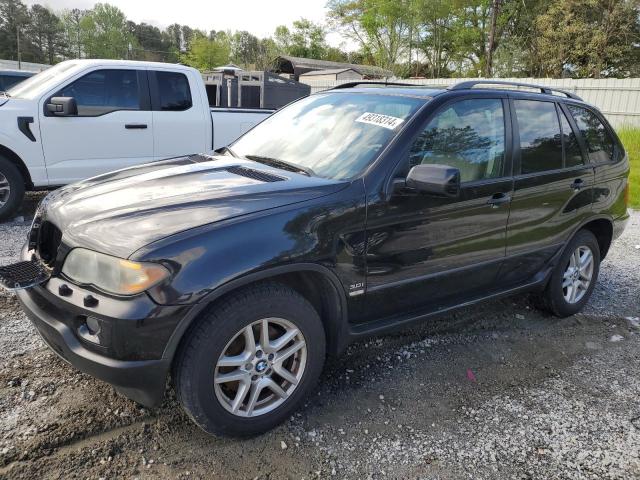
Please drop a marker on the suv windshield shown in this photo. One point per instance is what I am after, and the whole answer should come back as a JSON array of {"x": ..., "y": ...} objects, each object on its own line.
[
  {"x": 34, "y": 86},
  {"x": 334, "y": 135}
]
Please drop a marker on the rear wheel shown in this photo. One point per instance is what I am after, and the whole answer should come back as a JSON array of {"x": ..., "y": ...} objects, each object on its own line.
[
  {"x": 246, "y": 366},
  {"x": 11, "y": 189},
  {"x": 575, "y": 276}
]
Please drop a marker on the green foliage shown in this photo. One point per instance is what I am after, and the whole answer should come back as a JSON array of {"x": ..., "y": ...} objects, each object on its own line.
[
  {"x": 208, "y": 52},
  {"x": 433, "y": 38},
  {"x": 631, "y": 140},
  {"x": 306, "y": 39},
  {"x": 382, "y": 28},
  {"x": 589, "y": 38}
]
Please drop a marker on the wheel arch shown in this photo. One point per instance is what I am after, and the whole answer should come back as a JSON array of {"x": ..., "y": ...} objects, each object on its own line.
[
  {"x": 602, "y": 229},
  {"x": 316, "y": 283},
  {"x": 14, "y": 158}
]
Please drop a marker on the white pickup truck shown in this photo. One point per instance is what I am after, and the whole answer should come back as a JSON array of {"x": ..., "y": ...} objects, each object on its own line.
[{"x": 82, "y": 118}]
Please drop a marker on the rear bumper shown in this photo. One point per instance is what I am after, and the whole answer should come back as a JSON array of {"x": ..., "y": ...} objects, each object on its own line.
[{"x": 141, "y": 380}]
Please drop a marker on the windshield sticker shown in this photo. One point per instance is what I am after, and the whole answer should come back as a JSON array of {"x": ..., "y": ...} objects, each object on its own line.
[{"x": 380, "y": 120}]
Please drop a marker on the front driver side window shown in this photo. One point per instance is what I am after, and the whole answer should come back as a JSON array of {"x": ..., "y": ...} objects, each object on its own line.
[
  {"x": 468, "y": 135},
  {"x": 104, "y": 91}
]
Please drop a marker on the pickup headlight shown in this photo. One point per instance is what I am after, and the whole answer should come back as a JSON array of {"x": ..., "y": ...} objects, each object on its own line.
[{"x": 111, "y": 274}]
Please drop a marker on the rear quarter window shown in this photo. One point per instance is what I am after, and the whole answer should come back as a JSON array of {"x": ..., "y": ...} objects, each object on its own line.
[{"x": 599, "y": 142}]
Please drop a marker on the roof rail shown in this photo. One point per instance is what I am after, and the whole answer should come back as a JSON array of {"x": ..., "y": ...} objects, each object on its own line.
[
  {"x": 543, "y": 88},
  {"x": 365, "y": 82}
]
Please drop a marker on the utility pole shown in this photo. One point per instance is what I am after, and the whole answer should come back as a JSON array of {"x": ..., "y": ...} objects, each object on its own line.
[
  {"x": 18, "y": 45},
  {"x": 492, "y": 37}
]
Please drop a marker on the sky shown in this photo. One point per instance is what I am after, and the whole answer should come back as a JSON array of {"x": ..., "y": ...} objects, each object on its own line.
[{"x": 256, "y": 16}]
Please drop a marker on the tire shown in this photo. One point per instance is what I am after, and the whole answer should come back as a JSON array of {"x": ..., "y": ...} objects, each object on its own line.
[
  {"x": 11, "y": 179},
  {"x": 199, "y": 369},
  {"x": 557, "y": 297}
]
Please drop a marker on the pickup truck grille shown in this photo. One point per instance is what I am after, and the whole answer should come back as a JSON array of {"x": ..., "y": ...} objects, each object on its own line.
[{"x": 49, "y": 239}]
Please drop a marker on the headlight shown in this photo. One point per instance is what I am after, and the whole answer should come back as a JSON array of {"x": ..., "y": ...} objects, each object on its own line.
[{"x": 111, "y": 274}]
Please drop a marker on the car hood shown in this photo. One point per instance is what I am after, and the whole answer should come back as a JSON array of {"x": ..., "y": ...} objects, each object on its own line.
[{"x": 120, "y": 212}]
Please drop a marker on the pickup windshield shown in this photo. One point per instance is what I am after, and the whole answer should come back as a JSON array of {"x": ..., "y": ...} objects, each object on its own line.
[
  {"x": 32, "y": 87},
  {"x": 334, "y": 135}
]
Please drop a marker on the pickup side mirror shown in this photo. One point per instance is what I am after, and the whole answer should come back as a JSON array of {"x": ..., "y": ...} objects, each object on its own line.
[
  {"x": 439, "y": 180},
  {"x": 62, "y": 106}
]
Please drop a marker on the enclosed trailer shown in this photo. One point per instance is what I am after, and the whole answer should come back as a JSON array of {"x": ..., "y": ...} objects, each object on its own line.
[{"x": 260, "y": 89}]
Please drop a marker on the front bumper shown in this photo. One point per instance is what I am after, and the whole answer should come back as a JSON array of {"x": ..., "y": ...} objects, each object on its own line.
[{"x": 141, "y": 380}]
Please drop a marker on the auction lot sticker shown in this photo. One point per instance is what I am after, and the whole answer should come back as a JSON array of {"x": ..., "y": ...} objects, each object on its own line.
[{"x": 380, "y": 120}]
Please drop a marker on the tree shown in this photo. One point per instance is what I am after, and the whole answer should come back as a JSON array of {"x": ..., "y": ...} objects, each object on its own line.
[
  {"x": 589, "y": 38},
  {"x": 244, "y": 48},
  {"x": 105, "y": 33},
  {"x": 71, "y": 24},
  {"x": 14, "y": 18},
  {"x": 207, "y": 52},
  {"x": 306, "y": 39},
  {"x": 151, "y": 44},
  {"x": 46, "y": 33},
  {"x": 381, "y": 27}
]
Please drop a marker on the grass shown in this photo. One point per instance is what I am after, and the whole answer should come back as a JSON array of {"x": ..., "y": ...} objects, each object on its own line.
[{"x": 631, "y": 139}]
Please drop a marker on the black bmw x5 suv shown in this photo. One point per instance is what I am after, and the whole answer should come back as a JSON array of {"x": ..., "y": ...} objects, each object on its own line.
[{"x": 345, "y": 214}]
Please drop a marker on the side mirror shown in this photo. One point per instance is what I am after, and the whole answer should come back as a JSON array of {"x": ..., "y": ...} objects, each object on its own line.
[
  {"x": 62, "y": 106},
  {"x": 439, "y": 180}
]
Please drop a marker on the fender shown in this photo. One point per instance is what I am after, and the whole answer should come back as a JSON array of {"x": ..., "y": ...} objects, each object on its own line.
[{"x": 340, "y": 328}]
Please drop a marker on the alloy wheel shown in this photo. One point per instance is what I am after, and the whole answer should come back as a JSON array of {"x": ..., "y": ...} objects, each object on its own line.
[
  {"x": 5, "y": 190},
  {"x": 260, "y": 367},
  {"x": 578, "y": 275}
]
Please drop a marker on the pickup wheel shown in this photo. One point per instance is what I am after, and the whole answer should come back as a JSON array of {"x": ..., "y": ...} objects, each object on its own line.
[
  {"x": 574, "y": 277},
  {"x": 11, "y": 188},
  {"x": 248, "y": 363}
]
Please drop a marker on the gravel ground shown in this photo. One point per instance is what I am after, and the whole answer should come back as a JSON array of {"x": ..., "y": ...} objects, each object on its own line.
[{"x": 499, "y": 390}]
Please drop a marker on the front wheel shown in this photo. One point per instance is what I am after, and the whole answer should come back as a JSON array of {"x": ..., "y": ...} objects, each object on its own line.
[
  {"x": 11, "y": 189},
  {"x": 246, "y": 366},
  {"x": 574, "y": 278}
]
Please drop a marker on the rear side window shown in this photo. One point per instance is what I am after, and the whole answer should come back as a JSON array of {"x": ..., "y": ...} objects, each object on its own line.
[
  {"x": 104, "y": 91},
  {"x": 599, "y": 142},
  {"x": 174, "y": 92},
  {"x": 540, "y": 136},
  {"x": 572, "y": 153},
  {"x": 468, "y": 135}
]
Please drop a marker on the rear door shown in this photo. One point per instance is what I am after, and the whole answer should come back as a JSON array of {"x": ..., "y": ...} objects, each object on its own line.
[
  {"x": 553, "y": 186},
  {"x": 113, "y": 128},
  {"x": 179, "y": 115}
]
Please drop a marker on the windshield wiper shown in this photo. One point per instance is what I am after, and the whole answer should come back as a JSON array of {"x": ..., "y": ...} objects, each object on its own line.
[
  {"x": 274, "y": 162},
  {"x": 5, "y": 94}
]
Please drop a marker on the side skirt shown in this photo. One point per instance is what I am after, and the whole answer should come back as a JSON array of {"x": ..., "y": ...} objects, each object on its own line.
[{"x": 397, "y": 322}]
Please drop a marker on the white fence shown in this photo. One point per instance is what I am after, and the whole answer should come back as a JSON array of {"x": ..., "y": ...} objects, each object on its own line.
[
  {"x": 26, "y": 66},
  {"x": 618, "y": 99}
]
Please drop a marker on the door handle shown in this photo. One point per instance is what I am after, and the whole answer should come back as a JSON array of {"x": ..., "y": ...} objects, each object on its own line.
[
  {"x": 135, "y": 126},
  {"x": 577, "y": 184},
  {"x": 498, "y": 199}
]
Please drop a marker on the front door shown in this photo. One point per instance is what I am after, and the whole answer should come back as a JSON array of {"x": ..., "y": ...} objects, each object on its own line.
[
  {"x": 427, "y": 251},
  {"x": 113, "y": 128}
]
